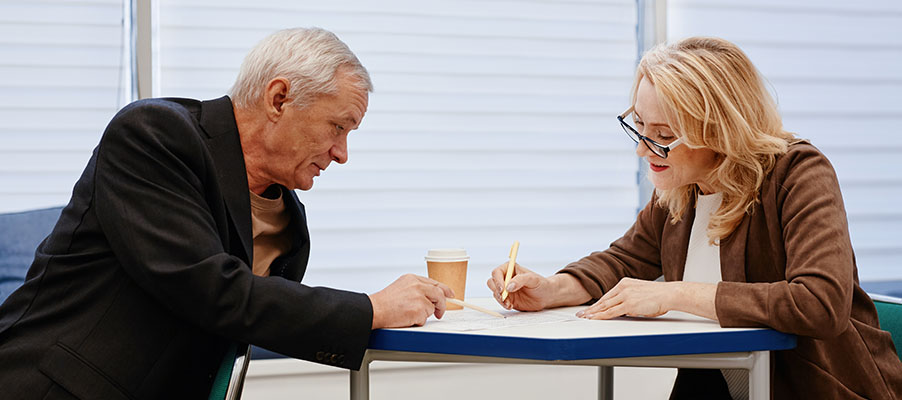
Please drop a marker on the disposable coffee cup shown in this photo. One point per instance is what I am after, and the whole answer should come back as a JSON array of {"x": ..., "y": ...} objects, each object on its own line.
[{"x": 449, "y": 266}]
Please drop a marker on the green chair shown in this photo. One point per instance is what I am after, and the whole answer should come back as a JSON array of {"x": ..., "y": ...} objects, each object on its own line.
[
  {"x": 229, "y": 379},
  {"x": 889, "y": 312}
]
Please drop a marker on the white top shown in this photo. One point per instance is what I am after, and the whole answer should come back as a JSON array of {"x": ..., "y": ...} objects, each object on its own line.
[
  {"x": 702, "y": 258},
  {"x": 703, "y": 265}
]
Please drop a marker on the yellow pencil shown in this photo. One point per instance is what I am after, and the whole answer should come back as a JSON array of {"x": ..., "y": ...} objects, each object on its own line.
[
  {"x": 510, "y": 268},
  {"x": 475, "y": 307}
]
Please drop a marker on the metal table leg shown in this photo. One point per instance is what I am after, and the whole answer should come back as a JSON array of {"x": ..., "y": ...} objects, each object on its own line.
[
  {"x": 605, "y": 383},
  {"x": 360, "y": 381},
  {"x": 759, "y": 376}
]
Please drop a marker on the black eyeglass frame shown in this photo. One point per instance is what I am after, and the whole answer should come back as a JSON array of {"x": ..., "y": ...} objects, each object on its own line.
[{"x": 655, "y": 147}]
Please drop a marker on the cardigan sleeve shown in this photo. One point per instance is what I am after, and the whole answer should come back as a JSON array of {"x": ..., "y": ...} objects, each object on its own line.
[
  {"x": 815, "y": 299},
  {"x": 636, "y": 254}
]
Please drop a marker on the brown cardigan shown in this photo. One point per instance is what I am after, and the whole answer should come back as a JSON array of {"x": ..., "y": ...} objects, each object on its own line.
[{"x": 789, "y": 266}]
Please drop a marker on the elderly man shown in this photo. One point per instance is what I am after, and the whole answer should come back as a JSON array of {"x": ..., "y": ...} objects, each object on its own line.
[{"x": 184, "y": 234}]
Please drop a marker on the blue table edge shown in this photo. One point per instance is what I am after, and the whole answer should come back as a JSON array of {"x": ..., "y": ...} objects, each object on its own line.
[{"x": 568, "y": 349}]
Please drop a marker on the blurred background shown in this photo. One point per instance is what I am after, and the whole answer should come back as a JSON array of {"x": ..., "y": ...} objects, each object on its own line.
[{"x": 492, "y": 121}]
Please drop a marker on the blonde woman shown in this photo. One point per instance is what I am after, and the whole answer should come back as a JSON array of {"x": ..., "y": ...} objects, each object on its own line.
[{"x": 746, "y": 225}]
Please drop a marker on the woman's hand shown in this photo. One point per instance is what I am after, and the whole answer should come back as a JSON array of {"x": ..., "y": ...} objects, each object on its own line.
[
  {"x": 641, "y": 298},
  {"x": 529, "y": 291}
]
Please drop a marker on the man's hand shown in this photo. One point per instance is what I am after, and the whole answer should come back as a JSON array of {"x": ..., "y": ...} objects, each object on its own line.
[{"x": 409, "y": 301}]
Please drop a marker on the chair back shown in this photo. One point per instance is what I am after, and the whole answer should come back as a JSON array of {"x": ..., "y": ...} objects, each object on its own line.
[
  {"x": 229, "y": 381},
  {"x": 20, "y": 235},
  {"x": 889, "y": 312}
]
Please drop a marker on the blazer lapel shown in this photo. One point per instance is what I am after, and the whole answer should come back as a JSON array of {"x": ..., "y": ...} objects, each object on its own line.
[
  {"x": 296, "y": 265},
  {"x": 732, "y": 253},
  {"x": 675, "y": 245},
  {"x": 217, "y": 119}
]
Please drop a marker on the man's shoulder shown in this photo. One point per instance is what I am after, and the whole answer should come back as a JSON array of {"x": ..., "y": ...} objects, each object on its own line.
[
  {"x": 158, "y": 128},
  {"x": 161, "y": 110},
  {"x": 156, "y": 119}
]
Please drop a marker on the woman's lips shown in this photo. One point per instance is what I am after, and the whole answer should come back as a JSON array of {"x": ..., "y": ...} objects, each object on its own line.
[{"x": 658, "y": 168}]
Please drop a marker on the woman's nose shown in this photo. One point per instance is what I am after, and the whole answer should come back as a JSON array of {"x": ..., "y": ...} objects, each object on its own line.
[{"x": 642, "y": 149}]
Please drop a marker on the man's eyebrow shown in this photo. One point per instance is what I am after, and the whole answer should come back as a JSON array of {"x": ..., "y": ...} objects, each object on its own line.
[
  {"x": 348, "y": 118},
  {"x": 652, "y": 123}
]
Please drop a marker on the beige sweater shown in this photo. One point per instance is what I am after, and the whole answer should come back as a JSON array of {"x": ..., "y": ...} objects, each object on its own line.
[{"x": 789, "y": 266}]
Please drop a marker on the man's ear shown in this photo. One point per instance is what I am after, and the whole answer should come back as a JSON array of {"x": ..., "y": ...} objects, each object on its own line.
[{"x": 275, "y": 98}]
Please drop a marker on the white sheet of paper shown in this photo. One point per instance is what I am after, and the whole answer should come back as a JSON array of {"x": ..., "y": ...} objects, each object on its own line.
[{"x": 470, "y": 320}]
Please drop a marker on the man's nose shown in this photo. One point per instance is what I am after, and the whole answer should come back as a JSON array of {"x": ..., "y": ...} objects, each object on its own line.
[{"x": 339, "y": 151}]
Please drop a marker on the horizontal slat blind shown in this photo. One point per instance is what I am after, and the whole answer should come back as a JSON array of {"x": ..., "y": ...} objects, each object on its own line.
[
  {"x": 61, "y": 75},
  {"x": 836, "y": 67},
  {"x": 492, "y": 121}
]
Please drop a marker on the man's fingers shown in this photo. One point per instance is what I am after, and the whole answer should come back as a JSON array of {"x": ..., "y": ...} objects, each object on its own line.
[
  {"x": 446, "y": 290},
  {"x": 439, "y": 303},
  {"x": 434, "y": 293},
  {"x": 438, "y": 309},
  {"x": 427, "y": 280}
]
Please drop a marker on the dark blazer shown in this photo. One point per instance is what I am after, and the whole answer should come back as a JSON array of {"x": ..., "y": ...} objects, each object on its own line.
[
  {"x": 789, "y": 265},
  {"x": 145, "y": 278}
]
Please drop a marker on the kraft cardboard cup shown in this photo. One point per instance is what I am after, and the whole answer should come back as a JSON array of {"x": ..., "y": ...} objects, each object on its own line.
[{"x": 449, "y": 266}]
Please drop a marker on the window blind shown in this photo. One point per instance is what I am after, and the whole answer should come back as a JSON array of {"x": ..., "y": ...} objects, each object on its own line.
[
  {"x": 61, "y": 80},
  {"x": 492, "y": 121}
]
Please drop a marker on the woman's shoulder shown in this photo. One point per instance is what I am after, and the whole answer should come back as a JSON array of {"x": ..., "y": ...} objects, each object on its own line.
[
  {"x": 803, "y": 163},
  {"x": 800, "y": 151},
  {"x": 801, "y": 147}
]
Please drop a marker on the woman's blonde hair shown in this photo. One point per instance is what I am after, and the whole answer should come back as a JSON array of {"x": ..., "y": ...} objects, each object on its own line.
[{"x": 713, "y": 97}]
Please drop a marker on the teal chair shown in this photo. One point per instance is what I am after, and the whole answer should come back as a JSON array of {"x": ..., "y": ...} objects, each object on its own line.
[
  {"x": 889, "y": 312},
  {"x": 20, "y": 235},
  {"x": 229, "y": 380}
]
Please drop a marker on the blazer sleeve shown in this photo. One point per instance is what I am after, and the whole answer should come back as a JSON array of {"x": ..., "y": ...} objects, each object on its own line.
[
  {"x": 815, "y": 299},
  {"x": 636, "y": 254},
  {"x": 153, "y": 202}
]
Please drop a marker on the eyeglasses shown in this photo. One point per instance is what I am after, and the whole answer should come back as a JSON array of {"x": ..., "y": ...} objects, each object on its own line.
[{"x": 658, "y": 149}]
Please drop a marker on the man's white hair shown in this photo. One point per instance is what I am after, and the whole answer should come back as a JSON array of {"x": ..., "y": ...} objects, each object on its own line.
[{"x": 308, "y": 57}]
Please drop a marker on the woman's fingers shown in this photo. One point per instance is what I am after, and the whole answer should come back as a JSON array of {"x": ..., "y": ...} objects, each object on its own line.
[{"x": 609, "y": 300}]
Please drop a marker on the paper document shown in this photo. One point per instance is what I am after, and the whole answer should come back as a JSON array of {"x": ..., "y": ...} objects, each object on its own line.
[{"x": 469, "y": 320}]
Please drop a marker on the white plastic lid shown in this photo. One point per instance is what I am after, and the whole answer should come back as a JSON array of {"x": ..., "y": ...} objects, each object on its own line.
[{"x": 447, "y": 255}]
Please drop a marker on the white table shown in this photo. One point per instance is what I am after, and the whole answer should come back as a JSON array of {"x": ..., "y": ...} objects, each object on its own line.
[{"x": 675, "y": 340}]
